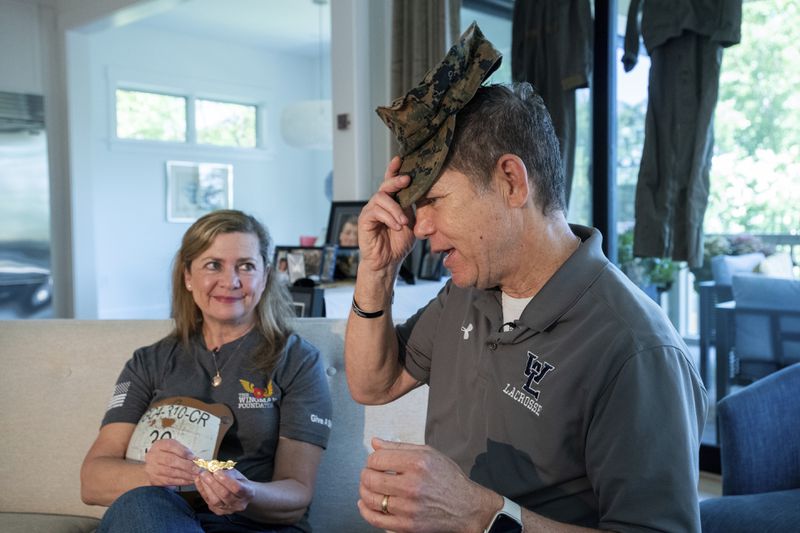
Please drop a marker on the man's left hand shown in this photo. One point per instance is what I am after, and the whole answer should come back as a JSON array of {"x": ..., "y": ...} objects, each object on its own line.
[{"x": 427, "y": 491}]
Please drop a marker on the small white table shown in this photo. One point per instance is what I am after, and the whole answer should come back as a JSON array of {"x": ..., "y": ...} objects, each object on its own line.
[{"x": 407, "y": 298}]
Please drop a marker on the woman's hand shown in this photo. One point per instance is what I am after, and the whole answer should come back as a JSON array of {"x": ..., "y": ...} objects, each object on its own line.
[
  {"x": 385, "y": 230},
  {"x": 168, "y": 463},
  {"x": 225, "y": 491}
]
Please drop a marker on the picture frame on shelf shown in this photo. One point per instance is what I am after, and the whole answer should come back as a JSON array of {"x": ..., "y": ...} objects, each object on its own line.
[
  {"x": 328, "y": 269},
  {"x": 431, "y": 265},
  {"x": 347, "y": 260},
  {"x": 343, "y": 224},
  {"x": 195, "y": 189},
  {"x": 297, "y": 262},
  {"x": 308, "y": 301}
]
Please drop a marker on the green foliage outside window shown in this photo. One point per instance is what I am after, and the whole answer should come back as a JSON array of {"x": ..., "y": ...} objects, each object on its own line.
[
  {"x": 755, "y": 175},
  {"x": 755, "y": 172},
  {"x": 660, "y": 272},
  {"x": 225, "y": 124},
  {"x": 150, "y": 116}
]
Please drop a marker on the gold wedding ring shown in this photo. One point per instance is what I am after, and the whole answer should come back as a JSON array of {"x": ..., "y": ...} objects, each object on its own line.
[{"x": 385, "y": 504}]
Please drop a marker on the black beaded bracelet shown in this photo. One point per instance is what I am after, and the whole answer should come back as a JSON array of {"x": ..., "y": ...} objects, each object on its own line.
[{"x": 365, "y": 314}]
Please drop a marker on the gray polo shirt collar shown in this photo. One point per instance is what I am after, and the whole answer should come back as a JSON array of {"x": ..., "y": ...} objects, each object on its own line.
[{"x": 560, "y": 293}]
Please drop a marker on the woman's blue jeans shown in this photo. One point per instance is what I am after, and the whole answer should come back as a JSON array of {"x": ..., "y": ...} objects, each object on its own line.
[{"x": 160, "y": 510}]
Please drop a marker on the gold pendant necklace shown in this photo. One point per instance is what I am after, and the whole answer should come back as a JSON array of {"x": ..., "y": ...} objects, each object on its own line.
[{"x": 217, "y": 379}]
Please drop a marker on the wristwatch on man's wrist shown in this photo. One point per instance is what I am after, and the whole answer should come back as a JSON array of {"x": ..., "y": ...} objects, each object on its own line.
[{"x": 506, "y": 520}]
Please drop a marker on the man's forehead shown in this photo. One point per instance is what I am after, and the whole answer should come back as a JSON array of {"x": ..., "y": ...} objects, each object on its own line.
[
  {"x": 447, "y": 181},
  {"x": 439, "y": 186}
]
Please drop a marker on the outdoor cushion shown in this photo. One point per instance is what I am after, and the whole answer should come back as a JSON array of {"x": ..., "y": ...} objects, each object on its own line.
[
  {"x": 753, "y": 334},
  {"x": 723, "y": 267},
  {"x": 777, "y": 265}
]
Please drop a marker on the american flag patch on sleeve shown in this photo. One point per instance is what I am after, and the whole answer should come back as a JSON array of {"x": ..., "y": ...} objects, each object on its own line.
[{"x": 120, "y": 392}]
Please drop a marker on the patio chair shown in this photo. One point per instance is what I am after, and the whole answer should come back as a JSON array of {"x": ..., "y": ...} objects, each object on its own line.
[
  {"x": 723, "y": 268},
  {"x": 766, "y": 324}
]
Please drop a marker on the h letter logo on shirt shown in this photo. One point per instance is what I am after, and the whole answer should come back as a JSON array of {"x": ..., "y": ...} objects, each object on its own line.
[{"x": 535, "y": 370}]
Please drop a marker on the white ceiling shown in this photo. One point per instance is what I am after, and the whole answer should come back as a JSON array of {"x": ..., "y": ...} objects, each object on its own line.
[{"x": 293, "y": 26}]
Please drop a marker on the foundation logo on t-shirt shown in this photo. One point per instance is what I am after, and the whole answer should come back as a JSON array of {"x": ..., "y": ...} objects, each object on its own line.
[
  {"x": 535, "y": 371},
  {"x": 255, "y": 397}
]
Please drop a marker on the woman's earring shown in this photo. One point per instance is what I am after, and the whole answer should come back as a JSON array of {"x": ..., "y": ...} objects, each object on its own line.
[{"x": 188, "y": 286}]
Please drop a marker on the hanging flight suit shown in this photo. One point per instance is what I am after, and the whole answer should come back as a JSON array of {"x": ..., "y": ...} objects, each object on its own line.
[
  {"x": 551, "y": 47},
  {"x": 685, "y": 39}
]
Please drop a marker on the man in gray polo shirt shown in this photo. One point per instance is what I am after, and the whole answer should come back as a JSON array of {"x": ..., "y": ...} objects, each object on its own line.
[{"x": 560, "y": 395}]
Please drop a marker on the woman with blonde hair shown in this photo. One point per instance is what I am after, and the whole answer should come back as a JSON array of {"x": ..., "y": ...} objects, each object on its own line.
[{"x": 232, "y": 345}]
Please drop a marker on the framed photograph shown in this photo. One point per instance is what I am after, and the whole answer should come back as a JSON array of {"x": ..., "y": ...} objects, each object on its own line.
[
  {"x": 296, "y": 262},
  {"x": 343, "y": 224},
  {"x": 328, "y": 269},
  {"x": 194, "y": 189},
  {"x": 347, "y": 260},
  {"x": 308, "y": 301}
]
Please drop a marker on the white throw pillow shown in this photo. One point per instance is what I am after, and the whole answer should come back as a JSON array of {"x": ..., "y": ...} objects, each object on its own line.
[
  {"x": 724, "y": 267},
  {"x": 777, "y": 265}
]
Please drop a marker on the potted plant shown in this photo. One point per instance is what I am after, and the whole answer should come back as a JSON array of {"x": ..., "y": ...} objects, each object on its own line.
[{"x": 654, "y": 275}]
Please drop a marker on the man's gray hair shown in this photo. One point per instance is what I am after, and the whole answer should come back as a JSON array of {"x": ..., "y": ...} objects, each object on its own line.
[{"x": 511, "y": 119}]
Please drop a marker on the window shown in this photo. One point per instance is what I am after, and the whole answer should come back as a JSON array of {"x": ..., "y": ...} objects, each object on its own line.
[
  {"x": 225, "y": 124},
  {"x": 495, "y": 20},
  {"x": 496, "y": 26},
  {"x": 631, "y": 110},
  {"x": 756, "y": 164},
  {"x": 152, "y": 116}
]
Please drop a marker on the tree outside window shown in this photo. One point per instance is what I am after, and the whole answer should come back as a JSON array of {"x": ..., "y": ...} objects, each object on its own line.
[{"x": 755, "y": 173}]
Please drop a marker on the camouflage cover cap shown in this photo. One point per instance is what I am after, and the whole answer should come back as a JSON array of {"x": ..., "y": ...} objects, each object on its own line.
[{"x": 423, "y": 120}]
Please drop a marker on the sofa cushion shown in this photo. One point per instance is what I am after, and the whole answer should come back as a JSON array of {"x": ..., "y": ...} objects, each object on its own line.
[
  {"x": 46, "y": 523},
  {"x": 765, "y": 512},
  {"x": 58, "y": 378},
  {"x": 759, "y": 437}
]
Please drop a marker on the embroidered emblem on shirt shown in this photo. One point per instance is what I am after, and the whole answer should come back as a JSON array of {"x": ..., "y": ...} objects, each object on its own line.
[
  {"x": 535, "y": 371},
  {"x": 255, "y": 397},
  {"x": 119, "y": 395},
  {"x": 466, "y": 331}
]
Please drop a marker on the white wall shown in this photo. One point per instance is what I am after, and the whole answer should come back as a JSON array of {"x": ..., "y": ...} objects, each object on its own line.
[
  {"x": 360, "y": 49},
  {"x": 126, "y": 245},
  {"x": 380, "y": 37}
]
